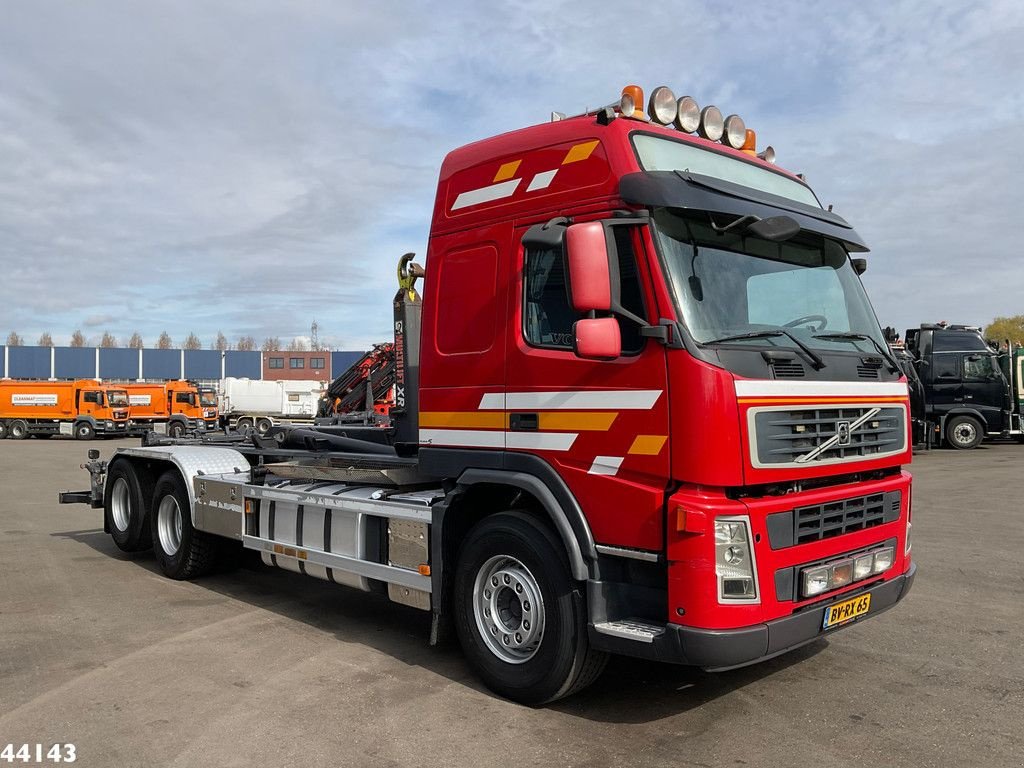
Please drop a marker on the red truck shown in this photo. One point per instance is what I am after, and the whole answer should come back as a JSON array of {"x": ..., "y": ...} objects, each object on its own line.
[{"x": 644, "y": 407}]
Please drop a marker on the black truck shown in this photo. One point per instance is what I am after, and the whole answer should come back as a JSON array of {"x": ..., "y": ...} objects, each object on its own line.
[{"x": 966, "y": 385}]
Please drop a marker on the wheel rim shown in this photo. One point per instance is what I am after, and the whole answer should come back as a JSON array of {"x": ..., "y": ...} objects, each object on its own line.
[
  {"x": 83, "y": 431},
  {"x": 263, "y": 426},
  {"x": 965, "y": 433},
  {"x": 120, "y": 509},
  {"x": 168, "y": 524},
  {"x": 17, "y": 431},
  {"x": 509, "y": 609}
]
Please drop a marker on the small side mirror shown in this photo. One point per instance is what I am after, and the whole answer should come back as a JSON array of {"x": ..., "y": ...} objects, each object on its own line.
[
  {"x": 860, "y": 266},
  {"x": 590, "y": 274},
  {"x": 597, "y": 338}
]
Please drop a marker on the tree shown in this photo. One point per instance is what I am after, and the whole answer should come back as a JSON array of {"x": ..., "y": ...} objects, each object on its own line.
[
  {"x": 271, "y": 344},
  {"x": 108, "y": 340},
  {"x": 221, "y": 343},
  {"x": 297, "y": 345},
  {"x": 192, "y": 342},
  {"x": 45, "y": 339},
  {"x": 77, "y": 339},
  {"x": 135, "y": 342},
  {"x": 14, "y": 340},
  {"x": 1002, "y": 328},
  {"x": 246, "y": 344},
  {"x": 164, "y": 342}
]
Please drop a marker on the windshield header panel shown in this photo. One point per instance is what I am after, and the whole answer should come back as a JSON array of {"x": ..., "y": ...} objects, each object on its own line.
[{"x": 657, "y": 153}]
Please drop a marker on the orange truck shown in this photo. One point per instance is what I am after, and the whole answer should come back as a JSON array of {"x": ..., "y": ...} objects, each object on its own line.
[
  {"x": 181, "y": 405},
  {"x": 83, "y": 409}
]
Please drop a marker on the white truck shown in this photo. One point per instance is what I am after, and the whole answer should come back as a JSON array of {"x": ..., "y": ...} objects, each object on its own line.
[{"x": 257, "y": 405}]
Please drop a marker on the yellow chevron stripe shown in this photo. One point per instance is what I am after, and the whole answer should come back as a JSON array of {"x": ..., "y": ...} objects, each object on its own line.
[
  {"x": 577, "y": 421},
  {"x": 580, "y": 152},
  {"x": 468, "y": 419},
  {"x": 647, "y": 445},
  {"x": 507, "y": 170}
]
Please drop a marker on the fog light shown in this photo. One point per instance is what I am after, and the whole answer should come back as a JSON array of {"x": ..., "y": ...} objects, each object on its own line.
[
  {"x": 815, "y": 581},
  {"x": 738, "y": 588},
  {"x": 841, "y": 574},
  {"x": 662, "y": 107},
  {"x": 862, "y": 566},
  {"x": 883, "y": 560}
]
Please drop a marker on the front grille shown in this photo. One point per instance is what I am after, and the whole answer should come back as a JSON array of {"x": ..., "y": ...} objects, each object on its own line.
[
  {"x": 833, "y": 518},
  {"x": 791, "y": 437},
  {"x": 788, "y": 370}
]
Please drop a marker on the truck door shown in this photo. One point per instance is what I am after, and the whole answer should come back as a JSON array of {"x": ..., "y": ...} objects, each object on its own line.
[
  {"x": 92, "y": 403},
  {"x": 601, "y": 425},
  {"x": 985, "y": 388},
  {"x": 944, "y": 382}
]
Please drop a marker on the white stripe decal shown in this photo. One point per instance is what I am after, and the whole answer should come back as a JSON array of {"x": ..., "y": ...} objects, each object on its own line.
[
  {"x": 486, "y": 194},
  {"x": 774, "y": 388},
  {"x": 482, "y": 438},
  {"x": 620, "y": 400},
  {"x": 542, "y": 180},
  {"x": 606, "y": 465}
]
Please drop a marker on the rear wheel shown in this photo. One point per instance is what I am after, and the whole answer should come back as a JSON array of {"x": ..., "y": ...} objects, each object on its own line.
[
  {"x": 243, "y": 426},
  {"x": 124, "y": 509},
  {"x": 520, "y": 617},
  {"x": 84, "y": 431},
  {"x": 263, "y": 426},
  {"x": 963, "y": 432},
  {"x": 181, "y": 551},
  {"x": 18, "y": 429},
  {"x": 3, "y": 429}
]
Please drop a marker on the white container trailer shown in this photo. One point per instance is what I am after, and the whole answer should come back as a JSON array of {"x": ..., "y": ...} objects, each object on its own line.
[{"x": 258, "y": 404}]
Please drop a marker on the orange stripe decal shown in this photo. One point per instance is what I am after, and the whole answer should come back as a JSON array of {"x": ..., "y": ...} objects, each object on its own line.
[
  {"x": 580, "y": 152},
  {"x": 507, "y": 170},
  {"x": 647, "y": 445}
]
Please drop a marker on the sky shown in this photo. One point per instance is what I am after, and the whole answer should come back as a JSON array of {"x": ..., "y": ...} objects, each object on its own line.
[{"x": 250, "y": 167}]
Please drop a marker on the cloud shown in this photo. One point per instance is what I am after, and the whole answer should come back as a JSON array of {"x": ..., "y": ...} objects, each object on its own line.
[{"x": 254, "y": 166}]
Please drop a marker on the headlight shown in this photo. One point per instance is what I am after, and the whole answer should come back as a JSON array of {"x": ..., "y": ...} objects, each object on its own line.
[
  {"x": 863, "y": 566},
  {"x": 109, "y": 424},
  {"x": 815, "y": 581},
  {"x": 735, "y": 131},
  {"x": 662, "y": 105},
  {"x": 734, "y": 560},
  {"x": 883, "y": 560},
  {"x": 688, "y": 114}
]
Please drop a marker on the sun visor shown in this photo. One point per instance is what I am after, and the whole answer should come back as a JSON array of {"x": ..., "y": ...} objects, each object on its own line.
[{"x": 692, "y": 191}]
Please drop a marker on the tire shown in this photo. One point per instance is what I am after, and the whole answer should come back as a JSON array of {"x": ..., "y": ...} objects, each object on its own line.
[
  {"x": 964, "y": 432},
  {"x": 244, "y": 425},
  {"x": 527, "y": 560},
  {"x": 124, "y": 509},
  {"x": 175, "y": 429},
  {"x": 3, "y": 429},
  {"x": 18, "y": 429},
  {"x": 263, "y": 426},
  {"x": 181, "y": 551},
  {"x": 84, "y": 431}
]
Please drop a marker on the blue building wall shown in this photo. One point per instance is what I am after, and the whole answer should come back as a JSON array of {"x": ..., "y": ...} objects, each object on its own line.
[
  {"x": 243, "y": 365},
  {"x": 202, "y": 364},
  {"x": 340, "y": 362},
  {"x": 119, "y": 364},
  {"x": 29, "y": 362},
  {"x": 161, "y": 363},
  {"x": 72, "y": 362}
]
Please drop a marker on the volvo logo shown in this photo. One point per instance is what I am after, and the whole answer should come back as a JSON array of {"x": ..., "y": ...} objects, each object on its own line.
[{"x": 842, "y": 433}]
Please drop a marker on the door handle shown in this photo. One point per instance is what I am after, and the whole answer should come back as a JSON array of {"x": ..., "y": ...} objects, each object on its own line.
[{"x": 523, "y": 422}]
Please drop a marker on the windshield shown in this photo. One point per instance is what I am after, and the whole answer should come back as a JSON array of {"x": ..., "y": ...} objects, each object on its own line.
[
  {"x": 117, "y": 398},
  {"x": 731, "y": 283},
  {"x": 207, "y": 398},
  {"x": 661, "y": 154}
]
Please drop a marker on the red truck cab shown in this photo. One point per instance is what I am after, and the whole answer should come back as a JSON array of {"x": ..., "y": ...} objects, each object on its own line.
[{"x": 666, "y": 334}]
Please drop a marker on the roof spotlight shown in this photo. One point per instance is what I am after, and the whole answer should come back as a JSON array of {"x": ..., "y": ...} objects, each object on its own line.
[
  {"x": 735, "y": 131},
  {"x": 688, "y": 114},
  {"x": 711, "y": 123},
  {"x": 768, "y": 155},
  {"x": 662, "y": 105}
]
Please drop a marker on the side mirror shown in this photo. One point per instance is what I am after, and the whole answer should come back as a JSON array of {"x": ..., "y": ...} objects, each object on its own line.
[
  {"x": 860, "y": 266},
  {"x": 590, "y": 274},
  {"x": 776, "y": 229},
  {"x": 597, "y": 338}
]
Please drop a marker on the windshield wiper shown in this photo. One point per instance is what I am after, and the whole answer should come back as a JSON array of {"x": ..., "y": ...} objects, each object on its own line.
[
  {"x": 851, "y": 336},
  {"x": 813, "y": 356}
]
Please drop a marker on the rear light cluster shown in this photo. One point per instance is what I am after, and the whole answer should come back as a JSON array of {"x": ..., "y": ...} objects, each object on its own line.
[{"x": 824, "y": 578}]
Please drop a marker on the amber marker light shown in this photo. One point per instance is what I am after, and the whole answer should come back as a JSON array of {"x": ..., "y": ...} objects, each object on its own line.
[
  {"x": 632, "y": 102},
  {"x": 750, "y": 143}
]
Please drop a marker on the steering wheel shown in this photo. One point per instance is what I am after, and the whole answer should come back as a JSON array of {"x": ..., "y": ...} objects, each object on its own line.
[{"x": 808, "y": 319}]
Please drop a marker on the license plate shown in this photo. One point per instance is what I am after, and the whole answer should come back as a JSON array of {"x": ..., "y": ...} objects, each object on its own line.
[{"x": 842, "y": 612}]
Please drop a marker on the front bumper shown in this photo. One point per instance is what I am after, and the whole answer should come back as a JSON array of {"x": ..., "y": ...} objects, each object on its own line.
[{"x": 728, "y": 648}]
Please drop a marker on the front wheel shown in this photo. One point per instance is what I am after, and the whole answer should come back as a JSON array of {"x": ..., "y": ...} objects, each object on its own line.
[
  {"x": 520, "y": 617},
  {"x": 84, "y": 431},
  {"x": 963, "y": 432},
  {"x": 181, "y": 551},
  {"x": 176, "y": 429}
]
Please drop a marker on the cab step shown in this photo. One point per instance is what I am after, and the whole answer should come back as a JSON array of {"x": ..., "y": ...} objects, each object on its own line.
[{"x": 631, "y": 629}]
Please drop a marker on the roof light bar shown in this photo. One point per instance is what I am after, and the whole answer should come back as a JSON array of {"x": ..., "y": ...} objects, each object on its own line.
[
  {"x": 687, "y": 114},
  {"x": 735, "y": 132},
  {"x": 662, "y": 107},
  {"x": 712, "y": 125}
]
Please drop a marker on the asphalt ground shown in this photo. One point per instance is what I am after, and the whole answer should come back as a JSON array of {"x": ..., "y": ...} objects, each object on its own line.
[{"x": 259, "y": 667}]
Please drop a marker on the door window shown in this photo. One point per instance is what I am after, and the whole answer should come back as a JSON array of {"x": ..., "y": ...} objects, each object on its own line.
[
  {"x": 979, "y": 368},
  {"x": 548, "y": 314}
]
